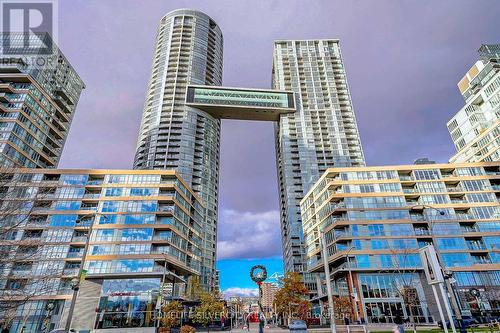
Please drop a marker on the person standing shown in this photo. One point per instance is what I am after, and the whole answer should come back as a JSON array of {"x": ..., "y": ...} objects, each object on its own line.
[
  {"x": 262, "y": 322},
  {"x": 248, "y": 322},
  {"x": 398, "y": 320}
]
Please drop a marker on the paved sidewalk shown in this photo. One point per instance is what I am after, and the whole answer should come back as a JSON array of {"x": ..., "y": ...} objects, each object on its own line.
[{"x": 254, "y": 327}]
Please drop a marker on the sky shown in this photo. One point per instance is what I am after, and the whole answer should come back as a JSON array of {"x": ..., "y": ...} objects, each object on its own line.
[{"x": 403, "y": 60}]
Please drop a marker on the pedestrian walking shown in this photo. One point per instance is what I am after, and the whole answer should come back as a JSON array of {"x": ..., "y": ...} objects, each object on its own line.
[{"x": 248, "y": 322}]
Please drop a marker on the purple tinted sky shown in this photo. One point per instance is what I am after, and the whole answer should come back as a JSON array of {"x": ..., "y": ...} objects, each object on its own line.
[{"x": 403, "y": 60}]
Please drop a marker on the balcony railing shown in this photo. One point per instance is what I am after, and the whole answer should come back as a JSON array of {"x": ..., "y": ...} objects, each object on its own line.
[
  {"x": 75, "y": 254},
  {"x": 71, "y": 271},
  {"x": 79, "y": 239},
  {"x": 472, "y": 246},
  {"x": 95, "y": 182}
]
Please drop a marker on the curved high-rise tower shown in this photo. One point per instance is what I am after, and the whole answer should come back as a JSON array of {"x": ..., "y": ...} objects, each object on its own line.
[{"x": 173, "y": 135}]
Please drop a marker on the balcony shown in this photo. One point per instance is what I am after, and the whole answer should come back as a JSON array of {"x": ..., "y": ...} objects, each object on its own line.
[
  {"x": 422, "y": 232},
  {"x": 21, "y": 272},
  {"x": 454, "y": 189},
  {"x": 463, "y": 216},
  {"x": 95, "y": 182},
  {"x": 86, "y": 206},
  {"x": 415, "y": 217},
  {"x": 169, "y": 209},
  {"x": 481, "y": 260},
  {"x": 79, "y": 239},
  {"x": 75, "y": 254},
  {"x": 456, "y": 201},
  {"x": 71, "y": 271},
  {"x": 476, "y": 244}
]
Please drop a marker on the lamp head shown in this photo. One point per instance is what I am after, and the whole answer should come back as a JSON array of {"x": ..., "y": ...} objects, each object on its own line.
[{"x": 75, "y": 283}]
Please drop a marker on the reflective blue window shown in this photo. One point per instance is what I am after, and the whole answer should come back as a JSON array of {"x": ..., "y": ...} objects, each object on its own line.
[
  {"x": 446, "y": 228},
  {"x": 489, "y": 226},
  {"x": 139, "y": 219},
  {"x": 400, "y": 229},
  {"x": 143, "y": 192},
  {"x": 492, "y": 242},
  {"x": 376, "y": 229},
  {"x": 363, "y": 261},
  {"x": 408, "y": 260},
  {"x": 137, "y": 234},
  {"x": 117, "y": 179},
  {"x": 165, "y": 220},
  {"x": 74, "y": 179},
  {"x": 456, "y": 259},
  {"x": 451, "y": 243},
  {"x": 386, "y": 260},
  {"x": 63, "y": 220},
  {"x": 142, "y": 206},
  {"x": 108, "y": 219},
  {"x": 404, "y": 243},
  {"x": 110, "y": 206},
  {"x": 114, "y": 192},
  {"x": 379, "y": 244},
  {"x": 67, "y": 205}
]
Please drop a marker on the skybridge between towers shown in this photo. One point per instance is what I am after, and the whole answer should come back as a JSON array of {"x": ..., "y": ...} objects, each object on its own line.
[{"x": 241, "y": 103}]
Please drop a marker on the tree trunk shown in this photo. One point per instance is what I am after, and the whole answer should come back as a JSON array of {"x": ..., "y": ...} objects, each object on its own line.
[{"x": 412, "y": 320}]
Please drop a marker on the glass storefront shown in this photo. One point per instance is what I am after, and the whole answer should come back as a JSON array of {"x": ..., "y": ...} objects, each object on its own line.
[
  {"x": 383, "y": 297},
  {"x": 128, "y": 303}
]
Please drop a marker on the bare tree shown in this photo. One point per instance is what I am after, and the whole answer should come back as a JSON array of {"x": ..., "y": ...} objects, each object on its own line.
[
  {"x": 405, "y": 280},
  {"x": 24, "y": 275}
]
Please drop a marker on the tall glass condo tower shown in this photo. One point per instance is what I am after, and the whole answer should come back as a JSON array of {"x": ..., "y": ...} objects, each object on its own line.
[
  {"x": 174, "y": 135},
  {"x": 321, "y": 133}
]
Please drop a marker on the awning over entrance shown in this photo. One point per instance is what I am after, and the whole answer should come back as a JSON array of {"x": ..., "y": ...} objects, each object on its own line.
[{"x": 241, "y": 103}]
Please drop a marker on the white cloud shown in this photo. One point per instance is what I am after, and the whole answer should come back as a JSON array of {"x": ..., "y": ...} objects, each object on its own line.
[
  {"x": 240, "y": 292},
  {"x": 249, "y": 235}
]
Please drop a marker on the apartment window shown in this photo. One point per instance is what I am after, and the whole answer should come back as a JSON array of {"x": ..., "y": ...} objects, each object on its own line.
[
  {"x": 114, "y": 192},
  {"x": 427, "y": 174},
  {"x": 74, "y": 179}
]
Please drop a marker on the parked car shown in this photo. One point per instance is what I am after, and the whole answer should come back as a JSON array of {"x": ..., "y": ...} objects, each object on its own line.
[
  {"x": 467, "y": 322},
  {"x": 297, "y": 325}
]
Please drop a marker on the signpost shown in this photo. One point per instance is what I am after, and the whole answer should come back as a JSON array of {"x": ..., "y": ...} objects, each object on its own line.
[{"x": 434, "y": 276}]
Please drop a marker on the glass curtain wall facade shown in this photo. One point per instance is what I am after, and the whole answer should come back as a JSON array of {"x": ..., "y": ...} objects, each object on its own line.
[
  {"x": 188, "y": 50},
  {"x": 475, "y": 129},
  {"x": 38, "y": 98},
  {"x": 376, "y": 218},
  {"x": 143, "y": 223},
  {"x": 321, "y": 133}
]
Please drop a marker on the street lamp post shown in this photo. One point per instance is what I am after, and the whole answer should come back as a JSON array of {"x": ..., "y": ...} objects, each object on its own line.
[
  {"x": 75, "y": 283},
  {"x": 354, "y": 293},
  {"x": 324, "y": 254},
  {"x": 449, "y": 286}
]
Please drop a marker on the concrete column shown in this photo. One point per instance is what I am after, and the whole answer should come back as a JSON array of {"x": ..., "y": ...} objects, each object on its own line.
[{"x": 86, "y": 304}]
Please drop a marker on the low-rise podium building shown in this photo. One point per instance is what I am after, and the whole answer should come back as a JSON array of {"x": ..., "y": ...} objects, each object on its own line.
[
  {"x": 145, "y": 239},
  {"x": 374, "y": 220}
]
